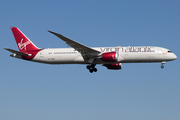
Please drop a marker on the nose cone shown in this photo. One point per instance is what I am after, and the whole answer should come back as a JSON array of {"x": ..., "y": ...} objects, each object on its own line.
[{"x": 174, "y": 57}]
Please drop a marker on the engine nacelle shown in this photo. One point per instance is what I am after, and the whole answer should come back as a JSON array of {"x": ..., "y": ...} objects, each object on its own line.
[
  {"x": 110, "y": 57},
  {"x": 116, "y": 66}
]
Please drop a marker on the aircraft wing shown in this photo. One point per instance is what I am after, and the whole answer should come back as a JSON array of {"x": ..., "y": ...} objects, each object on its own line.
[
  {"x": 16, "y": 52},
  {"x": 87, "y": 52}
]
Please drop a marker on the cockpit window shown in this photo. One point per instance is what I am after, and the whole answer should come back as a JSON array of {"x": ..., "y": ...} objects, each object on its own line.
[{"x": 169, "y": 51}]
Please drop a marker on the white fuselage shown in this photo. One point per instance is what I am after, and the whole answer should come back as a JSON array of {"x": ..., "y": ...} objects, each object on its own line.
[
  {"x": 126, "y": 55},
  {"x": 110, "y": 57}
]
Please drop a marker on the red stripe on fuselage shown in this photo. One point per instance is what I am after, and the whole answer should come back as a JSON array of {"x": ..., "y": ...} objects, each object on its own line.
[{"x": 31, "y": 53}]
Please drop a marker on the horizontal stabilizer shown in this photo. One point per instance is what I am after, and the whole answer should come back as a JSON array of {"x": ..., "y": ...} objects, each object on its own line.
[{"x": 16, "y": 52}]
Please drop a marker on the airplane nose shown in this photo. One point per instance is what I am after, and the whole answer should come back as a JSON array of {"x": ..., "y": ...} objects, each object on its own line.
[{"x": 174, "y": 57}]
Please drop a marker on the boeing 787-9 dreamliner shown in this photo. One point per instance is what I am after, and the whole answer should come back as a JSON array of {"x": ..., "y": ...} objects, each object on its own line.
[{"x": 110, "y": 57}]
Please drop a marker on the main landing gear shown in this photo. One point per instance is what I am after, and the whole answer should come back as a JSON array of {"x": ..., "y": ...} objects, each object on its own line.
[
  {"x": 91, "y": 68},
  {"x": 162, "y": 66}
]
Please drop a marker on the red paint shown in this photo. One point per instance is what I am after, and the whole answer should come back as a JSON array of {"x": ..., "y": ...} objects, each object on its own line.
[
  {"x": 110, "y": 57},
  {"x": 116, "y": 66},
  {"x": 24, "y": 44},
  {"x": 31, "y": 53}
]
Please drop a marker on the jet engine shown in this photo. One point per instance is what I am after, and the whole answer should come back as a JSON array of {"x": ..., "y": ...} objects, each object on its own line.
[
  {"x": 110, "y": 57},
  {"x": 116, "y": 66}
]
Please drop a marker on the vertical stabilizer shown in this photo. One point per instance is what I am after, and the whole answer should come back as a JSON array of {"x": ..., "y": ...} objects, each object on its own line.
[{"x": 23, "y": 43}]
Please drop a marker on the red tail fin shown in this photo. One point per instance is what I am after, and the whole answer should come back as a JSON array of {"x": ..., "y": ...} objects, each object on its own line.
[{"x": 24, "y": 44}]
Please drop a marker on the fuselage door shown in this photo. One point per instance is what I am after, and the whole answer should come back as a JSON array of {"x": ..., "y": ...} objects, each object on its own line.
[{"x": 41, "y": 54}]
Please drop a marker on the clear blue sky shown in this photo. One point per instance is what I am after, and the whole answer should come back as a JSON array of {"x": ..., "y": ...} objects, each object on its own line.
[{"x": 34, "y": 91}]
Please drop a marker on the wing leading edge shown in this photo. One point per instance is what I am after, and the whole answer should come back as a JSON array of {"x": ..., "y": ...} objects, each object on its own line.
[{"x": 88, "y": 53}]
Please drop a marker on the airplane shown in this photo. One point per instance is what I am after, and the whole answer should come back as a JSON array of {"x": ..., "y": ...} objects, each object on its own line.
[{"x": 110, "y": 57}]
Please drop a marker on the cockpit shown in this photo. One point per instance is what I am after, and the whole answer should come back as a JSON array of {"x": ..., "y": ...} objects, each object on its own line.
[{"x": 169, "y": 51}]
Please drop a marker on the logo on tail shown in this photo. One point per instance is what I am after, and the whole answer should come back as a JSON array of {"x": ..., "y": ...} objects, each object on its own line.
[{"x": 22, "y": 45}]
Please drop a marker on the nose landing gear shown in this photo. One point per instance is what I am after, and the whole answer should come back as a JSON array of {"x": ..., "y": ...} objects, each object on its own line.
[
  {"x": 91, "y": 68},
  {"x": 162, "y": 66}
]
